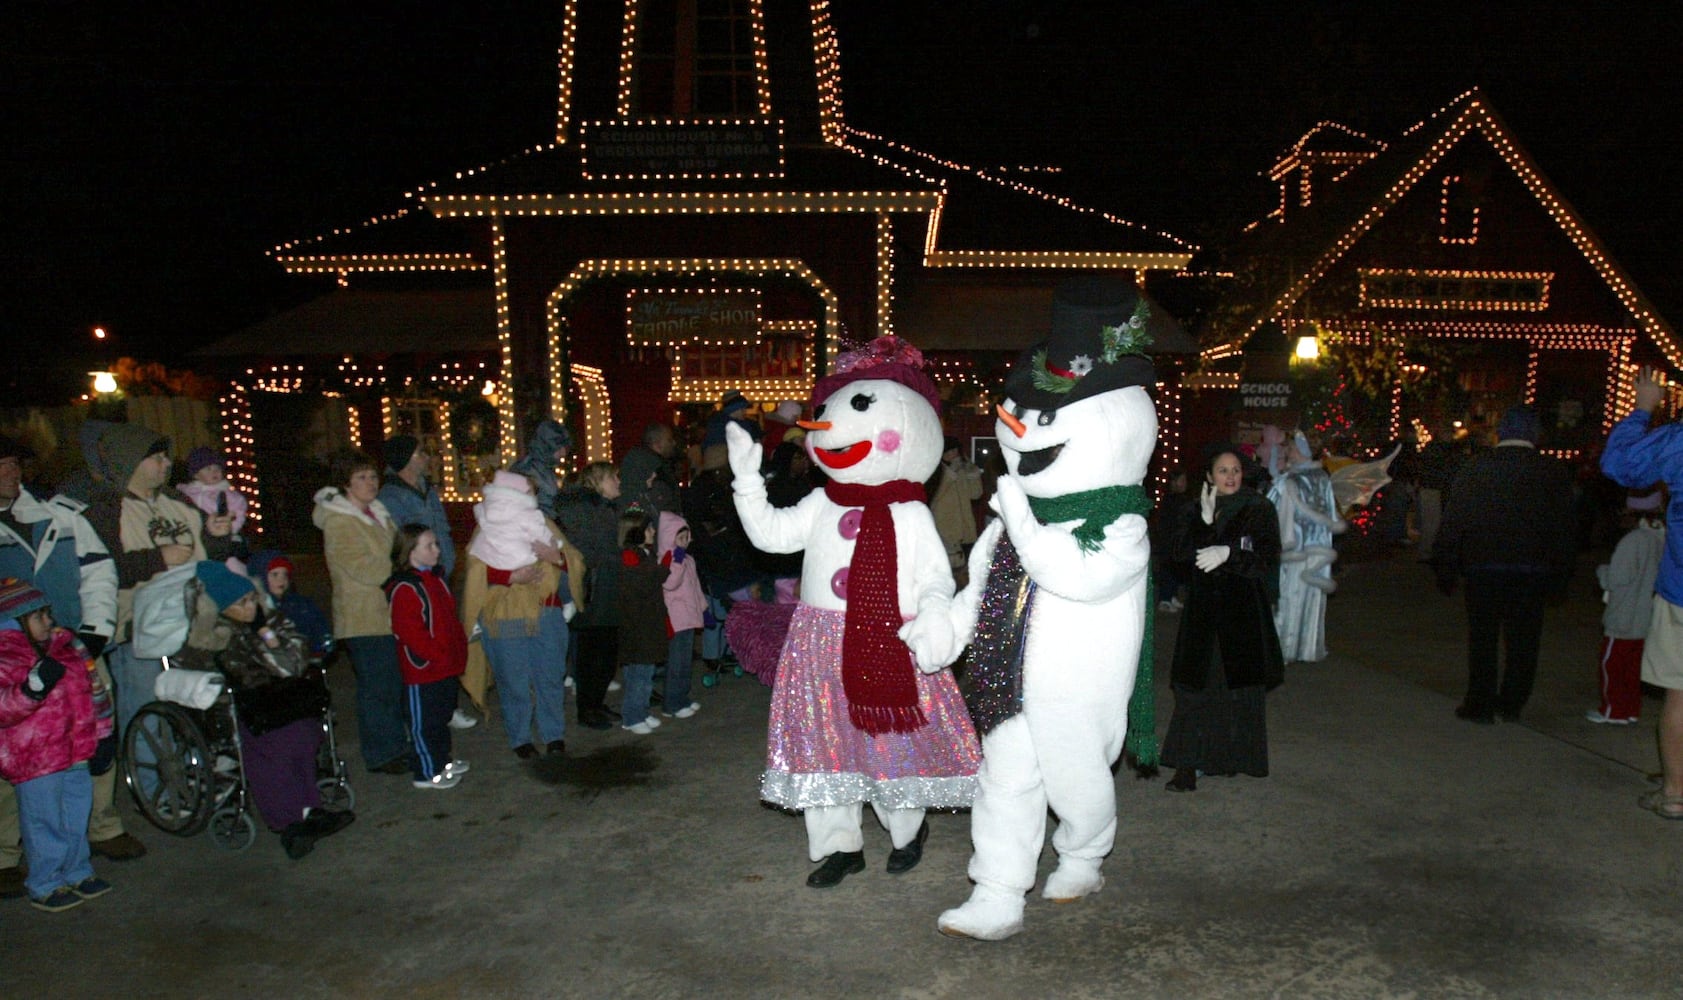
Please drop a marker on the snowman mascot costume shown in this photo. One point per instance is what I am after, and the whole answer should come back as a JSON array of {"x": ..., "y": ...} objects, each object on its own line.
[
  {"x": 853, "y": 717},
  {"x": 1057, "y": 609}
]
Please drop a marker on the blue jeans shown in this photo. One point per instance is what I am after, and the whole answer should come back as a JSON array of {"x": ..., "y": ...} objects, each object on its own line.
[
  {"x": 639, "y": 684},
  {"x": 679, "y": 652},
  {"x": 528, "y": 670},
  {"x": 53, "y": 818},
  {"x": 380, "y": 716},
  {"x": 713, "y": 636},
  {"x": 134, "y": 678}
]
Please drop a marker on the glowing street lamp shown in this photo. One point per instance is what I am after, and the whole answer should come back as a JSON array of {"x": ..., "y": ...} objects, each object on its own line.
[
  {"x": 104, "y": 382},
  {"x": 1308, "y": 349}
]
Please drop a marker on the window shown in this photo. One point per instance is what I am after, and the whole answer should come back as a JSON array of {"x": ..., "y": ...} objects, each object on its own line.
[{"x": 696, "y": 58}]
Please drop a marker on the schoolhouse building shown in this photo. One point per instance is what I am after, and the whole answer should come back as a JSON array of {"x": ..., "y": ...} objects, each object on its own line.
[{"x": 1447, "y": 263}]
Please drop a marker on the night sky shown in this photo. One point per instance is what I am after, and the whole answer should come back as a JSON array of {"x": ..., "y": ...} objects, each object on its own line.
[{"x": 152, "y": 152}]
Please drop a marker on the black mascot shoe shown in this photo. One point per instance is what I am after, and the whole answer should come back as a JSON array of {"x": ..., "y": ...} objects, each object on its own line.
[
  {"x": 835, "y": 868},
  {"x": 904, "y": 859}
]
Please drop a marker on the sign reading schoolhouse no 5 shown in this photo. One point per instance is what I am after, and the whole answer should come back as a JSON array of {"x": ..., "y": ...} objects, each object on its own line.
[{"x": 630, "y": 150}]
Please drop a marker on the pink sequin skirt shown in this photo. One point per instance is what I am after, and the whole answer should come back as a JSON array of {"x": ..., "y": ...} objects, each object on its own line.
[{"x": 815, "y": 756}]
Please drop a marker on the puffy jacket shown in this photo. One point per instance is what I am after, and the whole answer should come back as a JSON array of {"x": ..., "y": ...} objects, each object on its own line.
[
  {"x": 359, "y": 559},
  {"x": 684, "y": 599},
  {"x": 47, "y": 736},
  {"x": 65, "y": 559}
]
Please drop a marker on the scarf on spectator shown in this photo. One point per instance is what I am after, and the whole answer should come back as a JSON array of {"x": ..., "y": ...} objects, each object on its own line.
[{"x": 878, "y": 675}]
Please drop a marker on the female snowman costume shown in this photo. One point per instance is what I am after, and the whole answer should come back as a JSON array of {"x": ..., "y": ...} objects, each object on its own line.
[
  {"x": 1056, "y": 611},
  {"x": 853, "y": 719}
]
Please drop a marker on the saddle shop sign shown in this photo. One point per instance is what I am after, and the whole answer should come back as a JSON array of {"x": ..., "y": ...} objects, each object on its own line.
[{"x": 678, "y": 318}]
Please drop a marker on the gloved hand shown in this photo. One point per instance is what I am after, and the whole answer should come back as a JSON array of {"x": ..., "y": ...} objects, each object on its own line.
[
  {"x": 105, "y": 754},
  {"x": 43, "y": 677},
  {"x": 95, "y": 643},
  {"x": 678, "y": 556},
  {"x": 568, "y": 611},
  {"x": 930, "y": 637},
  {"x": 745, "y": 454},
  {"x": 1206, "y": 503},
  {"x": 1211, "y": 556},
  {"x": 708, "y": 620}
]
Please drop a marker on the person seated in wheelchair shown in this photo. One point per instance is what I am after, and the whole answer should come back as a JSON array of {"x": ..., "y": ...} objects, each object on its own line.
[
  {"x": 273, "y": 572},
  {"x": 278, "y": 699}
]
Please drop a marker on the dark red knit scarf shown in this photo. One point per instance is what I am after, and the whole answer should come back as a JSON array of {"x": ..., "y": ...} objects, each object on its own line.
[{"x": 878, "y": 674}]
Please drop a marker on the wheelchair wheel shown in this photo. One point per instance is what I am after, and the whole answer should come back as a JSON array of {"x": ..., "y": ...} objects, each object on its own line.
[
  {"x": 169, "y": 768},
  {"x": 233, "y": 829},
  {"x": 709, "y": 679},
  {"x": 337, "y": 793}
]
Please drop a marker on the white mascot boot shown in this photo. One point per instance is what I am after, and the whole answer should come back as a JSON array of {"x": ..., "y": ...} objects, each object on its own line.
[{"x": 988, "y": 915}]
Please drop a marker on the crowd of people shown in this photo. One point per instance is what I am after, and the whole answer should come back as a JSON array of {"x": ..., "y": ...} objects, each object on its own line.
[{"x": 575, "y": 577}]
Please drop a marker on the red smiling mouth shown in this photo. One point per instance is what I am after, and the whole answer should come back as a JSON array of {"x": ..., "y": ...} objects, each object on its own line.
[{"x": 841, "y": 458}]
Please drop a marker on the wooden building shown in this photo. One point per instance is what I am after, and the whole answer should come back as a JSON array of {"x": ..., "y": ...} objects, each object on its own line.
[
  {"x": 703, "y": 218},
  {"x": 1446, "y": 262}
]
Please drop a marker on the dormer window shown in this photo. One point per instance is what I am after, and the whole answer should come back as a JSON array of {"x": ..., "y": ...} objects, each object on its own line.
[
  {"x": 1458, "y": 212},
  {"x": 696, "y": 59}
]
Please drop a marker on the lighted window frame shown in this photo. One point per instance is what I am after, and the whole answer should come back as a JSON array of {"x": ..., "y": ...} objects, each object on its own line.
[{"x": 694, "y": 57}]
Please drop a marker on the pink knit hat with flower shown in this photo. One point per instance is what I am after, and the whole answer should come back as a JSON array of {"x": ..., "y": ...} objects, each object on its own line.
[{"x": 887, "y": 358}]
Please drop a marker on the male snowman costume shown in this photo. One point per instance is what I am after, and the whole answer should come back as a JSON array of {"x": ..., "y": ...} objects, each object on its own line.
[
  {"x": 1057, "y": 608},
  {"x": 853, "y": 718}
]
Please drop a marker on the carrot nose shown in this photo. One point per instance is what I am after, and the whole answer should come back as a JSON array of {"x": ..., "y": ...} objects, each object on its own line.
[
  {"x": 813, "y": 425},
  {"x": 1008, "y": 420}
]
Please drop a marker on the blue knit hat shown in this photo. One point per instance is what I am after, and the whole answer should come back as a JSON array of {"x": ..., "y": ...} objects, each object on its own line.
[
  {"x": 223, "y": 585},
  {"x": 19, "y": 598}
]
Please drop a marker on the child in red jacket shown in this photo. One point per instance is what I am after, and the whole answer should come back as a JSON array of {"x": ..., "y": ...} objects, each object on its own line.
[
  {"x": 431, "y": 652},
  {"x": 49, "y": 731}
]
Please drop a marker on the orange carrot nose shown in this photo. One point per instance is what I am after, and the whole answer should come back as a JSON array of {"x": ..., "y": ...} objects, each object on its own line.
[
  {"x": 1008, "y": 420},
  {"x": 813, "y": 425}
]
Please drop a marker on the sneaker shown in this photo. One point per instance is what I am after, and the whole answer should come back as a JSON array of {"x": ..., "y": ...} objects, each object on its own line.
[
  {"x": 1595, "y": 715},
  {"x": 91, "y": 887},
  {"x": 687, "y": 711},
  {"x": 457, "y": 767},
  {"x": 61, "y": 899},
  {"x": 613, "y": 685},
  {"x": 653, "y": 720},
  {"x": 641, "y": 729},
  {"x": 567, "y": 681},
  {"x": 440, "y": 781},
  {"x": 461, "y": 720}
]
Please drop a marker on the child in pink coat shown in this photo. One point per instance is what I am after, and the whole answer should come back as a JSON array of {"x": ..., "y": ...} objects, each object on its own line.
[
  {"x": 684, "y": 604},
  {"x": 49, "y": 731}
]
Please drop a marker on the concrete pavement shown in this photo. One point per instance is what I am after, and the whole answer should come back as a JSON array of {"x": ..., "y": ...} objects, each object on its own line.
[{"x": 1394, "y": 852}]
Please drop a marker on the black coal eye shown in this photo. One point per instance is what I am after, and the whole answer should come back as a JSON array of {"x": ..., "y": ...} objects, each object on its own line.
[
  {"x": 818, "y": 412},
  {"x": 862, "y": 401},
  {"x": 1017, "y": 410},
  {"x": 1046, "y": 417}
]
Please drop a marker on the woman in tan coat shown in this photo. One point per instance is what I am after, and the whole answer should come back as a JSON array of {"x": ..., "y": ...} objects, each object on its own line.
[{"x": 357, "y": 534}]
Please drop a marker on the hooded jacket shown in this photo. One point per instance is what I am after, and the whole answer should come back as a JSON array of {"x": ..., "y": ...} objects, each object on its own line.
[
  {"x": 539, "y": 461},
  {"x": 61, "y": 730},
  {"x": 133, "y": 527},
  {"x": 64, "y": 558},
  {"x": 411, "y": 505},
  {"x": 358, "y": 548},
  {"x": 431, "y": 645},
  {"x": 684, "y": 600}
]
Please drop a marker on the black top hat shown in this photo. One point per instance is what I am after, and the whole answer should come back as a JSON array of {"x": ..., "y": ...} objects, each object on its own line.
[{"x": 1097, "y": 344}]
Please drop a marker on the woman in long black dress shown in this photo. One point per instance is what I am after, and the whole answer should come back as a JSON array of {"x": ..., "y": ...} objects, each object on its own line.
[{"x": 1227, "y": 654}]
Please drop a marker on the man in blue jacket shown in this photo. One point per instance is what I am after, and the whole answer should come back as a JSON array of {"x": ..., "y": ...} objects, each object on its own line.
[{"x": 1637, "y": 457}]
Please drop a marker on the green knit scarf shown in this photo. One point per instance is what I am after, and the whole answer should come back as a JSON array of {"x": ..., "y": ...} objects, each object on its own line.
[{"x": 1096, "y": 510}]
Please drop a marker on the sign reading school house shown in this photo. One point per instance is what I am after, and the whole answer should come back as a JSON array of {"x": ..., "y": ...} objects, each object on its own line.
[
  {"x": 1265, "y": 395},
  {"x": 662, "y": 318}
]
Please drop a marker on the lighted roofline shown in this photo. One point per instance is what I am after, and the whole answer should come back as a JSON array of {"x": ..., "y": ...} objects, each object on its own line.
[{"x": 681, "y": 203}]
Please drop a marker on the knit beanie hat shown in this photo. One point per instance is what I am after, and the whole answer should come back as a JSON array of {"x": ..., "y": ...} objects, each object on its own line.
[
  {"x": 126, "y": 446},
  {"x": 399, "y": 450},
  {"x": 733, "y": 401},
  {"x": 13, "y": 448},
  {"x": 1519, "y": 423},
  {"x": 222, "y": 585},
  {"x": 202, "y": 458},
  {"x": 19, "y": 598}
]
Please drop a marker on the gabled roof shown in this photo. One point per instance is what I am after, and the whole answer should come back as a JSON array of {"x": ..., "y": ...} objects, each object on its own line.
[
  {"x": 1333, "y": 224},
  {"x": 361, "y": 322}
]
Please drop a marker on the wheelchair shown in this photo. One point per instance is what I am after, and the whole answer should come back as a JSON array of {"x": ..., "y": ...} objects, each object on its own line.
[{"x": 184, "y": 767}]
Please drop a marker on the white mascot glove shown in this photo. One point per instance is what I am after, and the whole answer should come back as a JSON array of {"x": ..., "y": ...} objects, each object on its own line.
[
  {"x": 745, "y": 455},
  {"x": 1206, "y": 503},
  {"x": 931, "y": 637},
  {"x": 1012, "y": 504},
  {"x": 1212, "y": 556}
]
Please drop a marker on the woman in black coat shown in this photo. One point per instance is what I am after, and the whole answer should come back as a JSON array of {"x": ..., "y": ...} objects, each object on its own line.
[
  {"x": 1227, "y": 654},
  {"x": 588, "y": 514}
]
